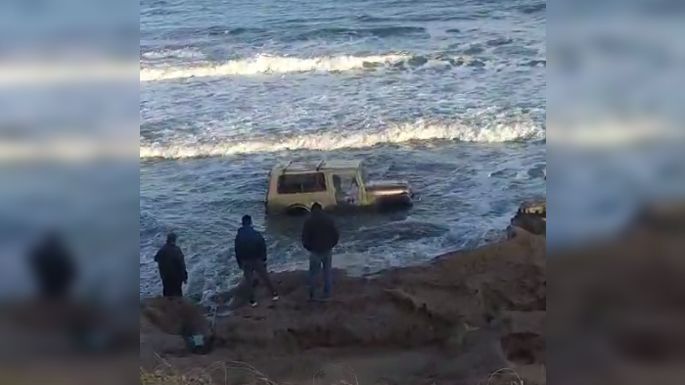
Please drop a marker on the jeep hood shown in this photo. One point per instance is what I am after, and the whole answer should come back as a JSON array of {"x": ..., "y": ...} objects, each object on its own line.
[{"x": 388, "y": 187}]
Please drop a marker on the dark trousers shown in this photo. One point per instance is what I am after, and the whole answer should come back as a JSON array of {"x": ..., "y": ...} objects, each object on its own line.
[
  {"x": 251, "y": 267},
  {"x": 54, "y": 288},
  {"x": 172, "y": 288}
]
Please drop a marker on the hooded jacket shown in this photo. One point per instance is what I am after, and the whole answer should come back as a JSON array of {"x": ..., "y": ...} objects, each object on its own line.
[
  {"x": 319, "y": 234},
  {"x": 249, "y": 245},
  {"x": 171, "y": 262}
]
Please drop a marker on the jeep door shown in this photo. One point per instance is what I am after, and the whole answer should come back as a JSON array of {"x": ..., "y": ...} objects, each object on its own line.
[{"x": 346, "y": 188}]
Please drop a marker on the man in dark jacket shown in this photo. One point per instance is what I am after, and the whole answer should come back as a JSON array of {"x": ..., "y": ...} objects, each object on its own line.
[
  {"x": 250, "y": 253},
  {"x": 319, "y": 237},
  {"x": 172, "y": 267},
  {"x": 53, "y": 267}
]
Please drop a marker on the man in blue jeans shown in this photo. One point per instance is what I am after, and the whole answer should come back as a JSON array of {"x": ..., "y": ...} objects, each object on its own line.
[
  {"x": 319, "y": 237},
  {"x": 250, "y": 253}
]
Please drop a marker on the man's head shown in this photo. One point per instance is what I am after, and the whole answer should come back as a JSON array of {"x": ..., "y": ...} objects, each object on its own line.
[
  {"x": 316, "y": 208},
  {"x": 247, "y": 220},
  {"x": 171, "y": 238}
]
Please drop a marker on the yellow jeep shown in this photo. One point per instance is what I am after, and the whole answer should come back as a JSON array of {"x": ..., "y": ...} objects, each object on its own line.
[{"x": 295, "y": 187}]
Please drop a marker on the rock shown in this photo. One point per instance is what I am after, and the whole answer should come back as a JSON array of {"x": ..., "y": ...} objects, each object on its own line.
[
  {"x": 179, "y": 317},
  {"x": 532, "y": 217},
  {"x": 175, "y": 316}
]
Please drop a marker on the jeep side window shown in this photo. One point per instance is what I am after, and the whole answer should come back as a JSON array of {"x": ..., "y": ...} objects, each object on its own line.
[
  {"x": 346, "y": 188},
  {"x": 364, "y": 175},
  {"x": 339, "y": 191},
  {"x": 301, "y": 183}
]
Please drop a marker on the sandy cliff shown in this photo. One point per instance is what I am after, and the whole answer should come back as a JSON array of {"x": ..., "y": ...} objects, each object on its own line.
[{"x": 455, "y": 320}]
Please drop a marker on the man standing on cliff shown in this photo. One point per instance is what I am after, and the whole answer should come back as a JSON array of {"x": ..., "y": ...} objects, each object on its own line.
[
  {"x": 319, "y": 236},
  {"x": 250, "y": 253},
  {"x": 172, "y": 267},
  {"x": 53, "y": 267}
]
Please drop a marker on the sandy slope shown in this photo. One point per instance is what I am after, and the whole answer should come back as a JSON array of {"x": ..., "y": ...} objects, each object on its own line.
[{"x": 454, "y": 320}]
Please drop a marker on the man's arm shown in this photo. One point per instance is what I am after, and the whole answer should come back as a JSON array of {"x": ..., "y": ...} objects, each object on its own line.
[
  {"x": 335, "y": 233},
  {"x": 238, "y": 252},
  {"x": 306, "y": 235},
  {"x": 182, "y": 264},
  {"x": 262, "y": 247}
]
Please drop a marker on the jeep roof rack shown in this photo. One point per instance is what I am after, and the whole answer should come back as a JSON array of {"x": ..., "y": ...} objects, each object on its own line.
[
  {"x": 318, "y": 167},
  {"x": 286, "y": 167}
]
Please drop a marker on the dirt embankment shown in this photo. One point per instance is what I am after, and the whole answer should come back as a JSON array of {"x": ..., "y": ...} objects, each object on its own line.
[{"x": 455, "y": 320}]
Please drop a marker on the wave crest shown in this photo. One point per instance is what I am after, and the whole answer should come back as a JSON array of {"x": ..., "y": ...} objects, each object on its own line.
[
  {"x": 395, "y": 134},
  {"x": 180, "y": 53},
  {"x": 264, "y": 64}
]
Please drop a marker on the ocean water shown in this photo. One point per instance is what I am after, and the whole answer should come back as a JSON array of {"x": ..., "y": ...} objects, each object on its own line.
[{"x": 449, "y": 95}]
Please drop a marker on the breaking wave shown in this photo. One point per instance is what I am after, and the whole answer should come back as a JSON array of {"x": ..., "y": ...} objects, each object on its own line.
[
  {"x": 265, "y": 64},
  {"x": 181, "y": 53},
  {"x": 395, "y": 134}
]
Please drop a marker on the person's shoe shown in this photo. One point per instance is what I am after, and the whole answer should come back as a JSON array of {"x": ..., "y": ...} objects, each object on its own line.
[
  {"x": 275, "y": 297},
  {"x": 253, "y": 303}
]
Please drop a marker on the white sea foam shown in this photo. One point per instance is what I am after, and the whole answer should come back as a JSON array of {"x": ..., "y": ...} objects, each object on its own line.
[
  {"x": 394, "y": 134},
  {"x": 182, "y": 53},
  {"x": 83, "y": 71},
  {"x": 264, "y": 64}
]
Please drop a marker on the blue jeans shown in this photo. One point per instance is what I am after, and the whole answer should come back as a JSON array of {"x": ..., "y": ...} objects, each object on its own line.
[{"x": 316, "y": 262}]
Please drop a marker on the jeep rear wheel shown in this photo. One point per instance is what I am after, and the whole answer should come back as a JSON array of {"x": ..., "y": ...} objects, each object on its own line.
[{"x": 296, "y": 211}]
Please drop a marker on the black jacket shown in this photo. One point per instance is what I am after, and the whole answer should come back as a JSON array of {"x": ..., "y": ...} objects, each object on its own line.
[
  {"x": 53, "y": 267},
  {"x": 249, "y": 245},
  {"x": 319, "y": 234},
  {"x": 171, "y": 262}
]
